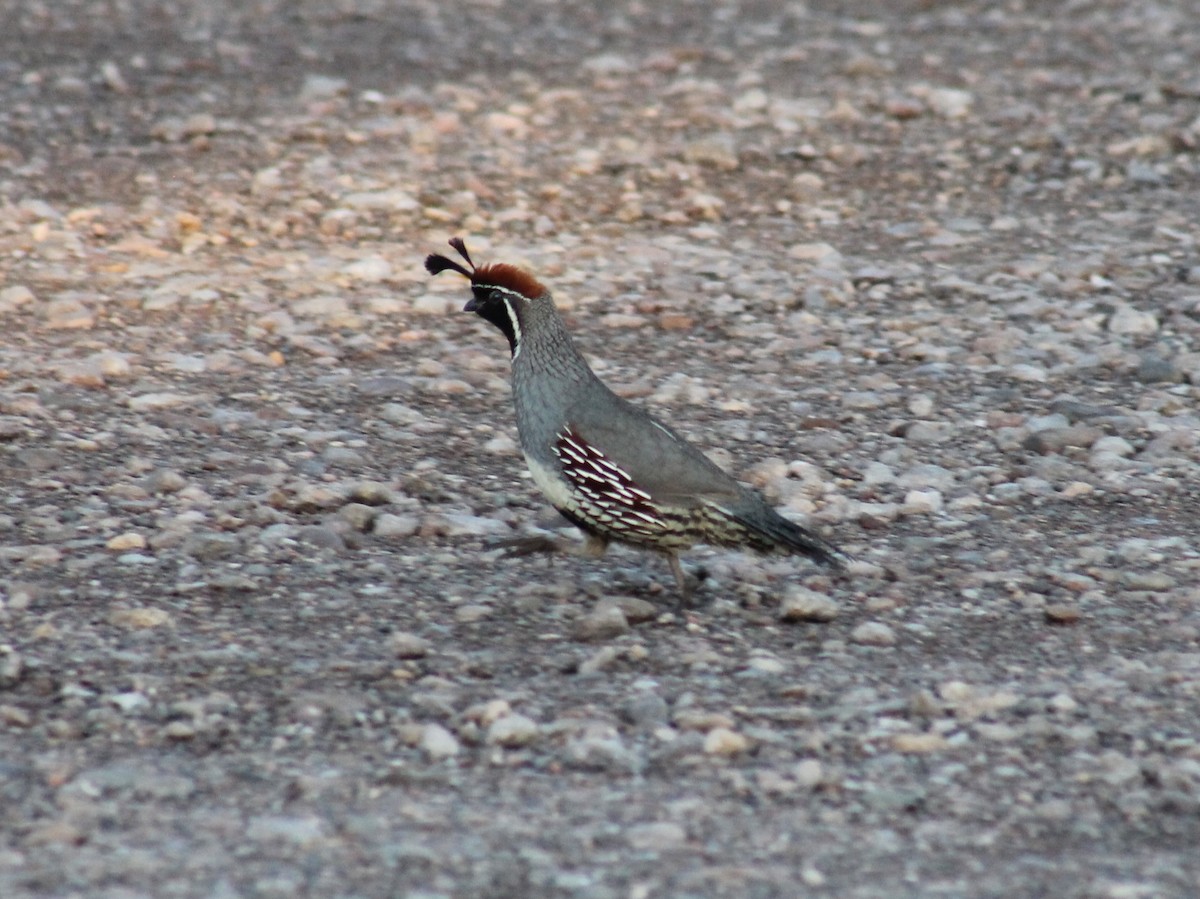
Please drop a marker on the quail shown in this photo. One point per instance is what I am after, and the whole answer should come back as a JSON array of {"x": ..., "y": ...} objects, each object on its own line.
[{"x": 610, "y": 468}]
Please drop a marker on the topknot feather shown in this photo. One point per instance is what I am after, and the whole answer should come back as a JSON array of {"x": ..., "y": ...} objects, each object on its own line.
[{"x": 498, "y": 274}]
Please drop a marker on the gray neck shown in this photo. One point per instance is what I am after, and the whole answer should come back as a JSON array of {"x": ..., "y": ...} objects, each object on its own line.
[{"x": 548, "y": 372}]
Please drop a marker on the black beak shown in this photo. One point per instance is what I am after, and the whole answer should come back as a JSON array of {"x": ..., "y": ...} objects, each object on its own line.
[{"x": 472, "y": 305}]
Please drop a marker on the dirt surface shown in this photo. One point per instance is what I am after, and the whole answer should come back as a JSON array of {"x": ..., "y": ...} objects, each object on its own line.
[{"x": 927, "y": 275}]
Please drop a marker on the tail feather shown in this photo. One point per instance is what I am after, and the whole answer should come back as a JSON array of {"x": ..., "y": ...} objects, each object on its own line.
[{"x": 768, "y": 531}]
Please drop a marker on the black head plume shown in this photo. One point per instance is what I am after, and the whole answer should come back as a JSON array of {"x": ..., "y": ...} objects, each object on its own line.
[{"x": 435, "y": 263}]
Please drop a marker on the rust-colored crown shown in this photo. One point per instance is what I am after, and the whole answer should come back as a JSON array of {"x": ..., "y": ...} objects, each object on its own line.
[{"x": 499, "y": 274}]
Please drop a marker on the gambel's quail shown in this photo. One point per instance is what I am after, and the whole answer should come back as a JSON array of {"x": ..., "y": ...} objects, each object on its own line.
[{"x": 610, "y": 468}]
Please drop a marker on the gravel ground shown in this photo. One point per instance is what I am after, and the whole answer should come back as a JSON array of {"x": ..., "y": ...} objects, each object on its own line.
[{"x": 927, "y": 275}]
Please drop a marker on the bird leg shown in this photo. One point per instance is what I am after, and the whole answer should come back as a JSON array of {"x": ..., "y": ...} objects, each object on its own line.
[
  {"x": 685, "y": 589},
  {"x": 593, "y": 546}
]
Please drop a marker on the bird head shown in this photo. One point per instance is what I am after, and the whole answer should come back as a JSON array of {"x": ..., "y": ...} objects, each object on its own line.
[{"x": 500, "y": 293}]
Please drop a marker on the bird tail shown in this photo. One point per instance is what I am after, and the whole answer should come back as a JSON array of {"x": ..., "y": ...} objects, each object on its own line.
[{"x": 768, "y": 531}]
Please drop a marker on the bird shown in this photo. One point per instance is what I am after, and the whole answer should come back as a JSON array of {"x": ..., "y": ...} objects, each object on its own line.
[{"x": 608, "y": 466}]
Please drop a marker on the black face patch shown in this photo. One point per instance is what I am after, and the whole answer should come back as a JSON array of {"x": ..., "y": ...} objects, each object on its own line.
[{"x": 498, "y": 306}]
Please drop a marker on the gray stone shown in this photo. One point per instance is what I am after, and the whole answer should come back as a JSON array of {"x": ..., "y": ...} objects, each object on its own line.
[
  {"x": 802, "y": 604},
  {"x": 874, "y": 633},
  {"x": 605, "y": 622}
]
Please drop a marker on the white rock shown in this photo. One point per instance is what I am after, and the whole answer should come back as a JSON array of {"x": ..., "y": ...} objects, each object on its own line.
[
  {"x": 393, "y": 526},
  {"x": 949, "y": 102},
  {"x": 129, "y": 701},
  {"x": 873, "y": 633},
  {"x": 725, "y": 741},
  {"x": 14, "y": 297},
  {"x": 277, "y": 533},
  {"x": 127, "y": 541},
  {"x": 407, "y": 645},
  {"x": 68, "y": 313},
  {"x": 1046, "y": 422},
  {"x": 1134, "y": 322},
  {"x": 164, "y": 400},
  {"x": 655, "y": 836},
  {"x": 512, "y": 730},
  {"x": 186, "y": 363},
  {"x": 1025, "y": 372},
  {"x": 1118, "y": 446},
  {"x": 766, "y": 665},
  {"x": 266, "y": 181},
  {"x": 460, "y": 524},
  {"x": 809, "y": 773},
  {"x": 605, "y": 622},
  {"x": 922, "y": 502},
  {"x": 814, "y": 252},
  {"x": 322, "y": 87},
  {"x": 438, "y": 743},
  {"x": 877, "y": 473},
  {"x": 802, "y": 604},
  {"x": 864, "y": 400},
  {"x": 110, "y": 364},
  {"x": 1063, "y": 703},
  {"x": 607, "y": 64},
  {"x": 753, "y": 100},
  {"x": 400, "y": 414},
  {"x": 921, "y": 405}
]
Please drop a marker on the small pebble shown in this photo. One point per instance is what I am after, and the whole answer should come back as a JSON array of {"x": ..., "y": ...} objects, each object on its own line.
[
  {"x": 809, "y": 773},
  {"x": 1056, "y": 440},
  {"x": 1127, "y": 320},
  {"x": 14, "y": 297},
  {"x": 438, "y": 743},
  {"x": 919, "y": 744},
  {"x": 645, "y": 709},
  {"x": 395, "y": 527},
  {"x": 407, "y": 645},
  {"x": 605, "y": 622},
  {"x": 511, "y": 731},
  {"x": 802, "y": 604},
  {"x": 140, "y": 618},
  {"x": 1062, "y": 613},
  {"x": 658, "y": 836},
  {"x": 873, "y": 633},
  {"x": 725, "y": 742},
  {"x": 635, "y": 609},
  {"x": 126, "y": 542},
  {"x": 472, "y": 613}
]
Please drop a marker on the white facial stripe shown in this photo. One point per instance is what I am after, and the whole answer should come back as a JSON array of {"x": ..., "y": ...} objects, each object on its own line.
[
  {"x": 507, "y": 291},
  {"x": 516, "y": 326}
]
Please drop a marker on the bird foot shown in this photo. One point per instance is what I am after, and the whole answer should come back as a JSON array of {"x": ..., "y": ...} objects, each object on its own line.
[{"x": 515, "y": 547}]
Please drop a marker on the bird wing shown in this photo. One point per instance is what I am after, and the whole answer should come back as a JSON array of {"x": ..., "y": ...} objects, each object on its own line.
[{"x": 652, "y": 456}]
